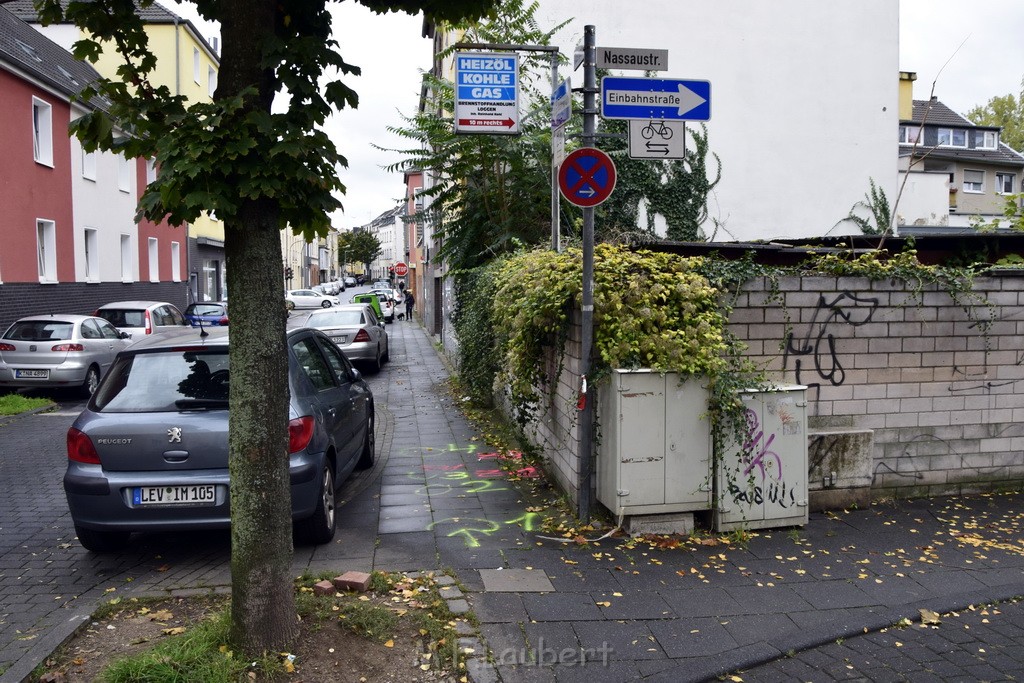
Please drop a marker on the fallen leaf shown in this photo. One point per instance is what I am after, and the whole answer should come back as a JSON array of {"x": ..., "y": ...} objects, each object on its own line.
[
  {"x": 161, "y": 615},
  {"x": 929, "y": 617},
  {"x": 390, "y": 643},
  {"x": 177, "y": 630}
]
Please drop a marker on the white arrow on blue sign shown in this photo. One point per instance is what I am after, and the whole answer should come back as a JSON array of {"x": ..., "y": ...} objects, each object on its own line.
[{"x": 655, "y": 98}]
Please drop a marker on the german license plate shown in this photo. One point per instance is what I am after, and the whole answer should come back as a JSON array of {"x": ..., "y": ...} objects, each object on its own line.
[
  {"x": 32, "y": 374},
  {"x": 340, "y": 340},
  {"x": 202, "y": 494}
]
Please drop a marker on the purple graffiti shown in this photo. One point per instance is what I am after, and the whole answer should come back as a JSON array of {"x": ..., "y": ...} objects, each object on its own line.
[{"x": 754, "y": 435}]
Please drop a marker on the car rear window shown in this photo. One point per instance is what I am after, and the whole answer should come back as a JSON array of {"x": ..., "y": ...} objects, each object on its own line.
[
  {"x": 39, "y": 330},
  {"x": 124, "y": 317},
  {"x": 335, "y": 319},
  {"x": 166, "y": 381},
  {"x": 204, "y": 309}
]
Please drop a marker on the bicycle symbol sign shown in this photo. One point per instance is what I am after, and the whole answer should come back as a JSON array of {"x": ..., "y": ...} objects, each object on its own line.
[
  {"x": 586, "y": 177},
  {"x": 657, "y": 139}
]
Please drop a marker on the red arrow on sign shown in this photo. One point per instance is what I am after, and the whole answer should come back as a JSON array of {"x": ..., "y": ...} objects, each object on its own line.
[{"x": 508, "y": 123}]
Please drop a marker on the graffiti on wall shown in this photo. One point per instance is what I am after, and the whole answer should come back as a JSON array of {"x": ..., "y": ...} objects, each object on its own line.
[
  {"x": 760, "y": 467},
  {"x": 818, "y": 345}
]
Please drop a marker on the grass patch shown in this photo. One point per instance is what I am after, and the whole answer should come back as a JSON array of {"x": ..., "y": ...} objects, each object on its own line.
[{"x": 14, "y": 404}]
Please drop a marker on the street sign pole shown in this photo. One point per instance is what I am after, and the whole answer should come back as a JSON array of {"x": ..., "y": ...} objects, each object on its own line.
[
  {"x": 586, "y": 423},
  {"x": 555, "y": 236}
]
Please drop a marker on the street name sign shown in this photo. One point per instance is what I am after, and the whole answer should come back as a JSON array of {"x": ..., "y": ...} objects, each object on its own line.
[
  {"x": 586, "y": 177},
  {"x": 655, "y": 98},
  {"x": 657, "y": 139},
  {"x": 632, "y": 58},
  {"x": 561, "y": 104},
  {"x": 486, "y": 93}
]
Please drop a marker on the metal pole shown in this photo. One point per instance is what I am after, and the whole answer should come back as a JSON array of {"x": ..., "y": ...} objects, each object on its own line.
[
  {"x": 586, "y": 425},
  {"x": 555, "y": 246}
]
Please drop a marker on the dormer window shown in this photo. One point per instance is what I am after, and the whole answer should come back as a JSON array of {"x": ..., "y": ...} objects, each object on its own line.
[
  {"x": 910, "y": 135},
  {"x": 952, "y": 137},
  {"x": 985, "y": 139}
]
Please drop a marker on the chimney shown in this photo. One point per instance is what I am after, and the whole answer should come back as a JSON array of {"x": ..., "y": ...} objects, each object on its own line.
[
  {"x": 906, "y": 96},
  {"x": 215, "y": 44}
]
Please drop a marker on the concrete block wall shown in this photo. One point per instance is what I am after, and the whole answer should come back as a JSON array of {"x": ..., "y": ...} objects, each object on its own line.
[{"x": 940, "y": 384}]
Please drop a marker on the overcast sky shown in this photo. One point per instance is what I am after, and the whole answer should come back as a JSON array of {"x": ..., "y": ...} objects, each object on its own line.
[{"x": 982, "y": 41}]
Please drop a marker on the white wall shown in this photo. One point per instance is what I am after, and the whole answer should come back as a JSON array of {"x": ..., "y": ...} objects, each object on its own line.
[
  {"x": 101, "y": 205},
  {"x": 803, "y": 97},
  {"x": 925, "y": 199}
]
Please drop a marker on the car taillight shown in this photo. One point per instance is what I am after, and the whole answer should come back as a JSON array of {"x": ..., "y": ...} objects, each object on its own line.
[
  {"x": 67, "y": 347},
  {"x": 300, "y": 431},
  {"x": 149, "y": 323},
  {"x": 362, "y": 336},
  {"x": 223, "y": 321},
  {"x": 80, "y": 448},
  {"x": 7, "y": 347}
]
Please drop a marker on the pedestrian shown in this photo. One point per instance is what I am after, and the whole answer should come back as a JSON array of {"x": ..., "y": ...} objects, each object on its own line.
[{"x": 410, "y": 301}]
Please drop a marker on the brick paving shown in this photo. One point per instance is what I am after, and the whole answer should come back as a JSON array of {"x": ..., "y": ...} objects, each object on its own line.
[{"x": 815, "y": 604}]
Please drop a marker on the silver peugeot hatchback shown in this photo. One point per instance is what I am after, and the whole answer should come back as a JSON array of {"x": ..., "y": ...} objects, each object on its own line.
[{"x": 150, "y": 451}]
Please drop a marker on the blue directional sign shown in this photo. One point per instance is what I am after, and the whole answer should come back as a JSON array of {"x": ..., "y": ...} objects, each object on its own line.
[
  {"x": 561, "y": 104},
  {"x": 486, "y": 93},
  {"x": 655, "y": 98}
]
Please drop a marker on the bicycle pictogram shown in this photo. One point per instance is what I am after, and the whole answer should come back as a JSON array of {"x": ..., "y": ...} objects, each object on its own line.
[{"x": 656, "y": 128}]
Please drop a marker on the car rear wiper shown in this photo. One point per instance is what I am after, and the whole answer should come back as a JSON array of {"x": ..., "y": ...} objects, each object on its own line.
[{"x": 200, "y": 403}]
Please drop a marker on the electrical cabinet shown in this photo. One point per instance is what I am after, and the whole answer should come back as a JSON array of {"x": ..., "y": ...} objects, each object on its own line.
[
  {"x": 654, "y": 453},
  {"x": 762, "y": 482}
]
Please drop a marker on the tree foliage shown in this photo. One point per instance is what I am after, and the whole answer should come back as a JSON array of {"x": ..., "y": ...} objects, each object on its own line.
[
  {"x": 358, "y": 246},
  {"x": 260, "y": 169},
  {"x": 492, "y": 192},
  {"x": 1006, "y": 111}
]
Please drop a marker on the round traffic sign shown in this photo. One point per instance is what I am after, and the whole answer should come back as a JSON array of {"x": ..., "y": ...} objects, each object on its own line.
[
  {"x": 586, "y": 177},
  {"x": 401, "y": 269}
]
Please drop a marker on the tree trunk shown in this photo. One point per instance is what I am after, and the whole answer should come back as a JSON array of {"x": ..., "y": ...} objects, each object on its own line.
[{"x": 263, "y": 617}]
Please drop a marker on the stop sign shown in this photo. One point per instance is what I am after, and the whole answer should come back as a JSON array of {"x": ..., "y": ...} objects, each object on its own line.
[{"x": 401, "y": 269}]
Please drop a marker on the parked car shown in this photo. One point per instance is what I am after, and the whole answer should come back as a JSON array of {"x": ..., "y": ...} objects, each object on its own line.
[
  {"x": 357, "y": 331},
  {"x": 150, "y": 450},
  {"x": 59, "y": 351},
  {"x": 387, "y": 304},
  {"x": 350, "y": 282},
  {"x": 309, "y": 298},
  {"x": 207, "y": 314},
  {"x": 141, "y": 318}
]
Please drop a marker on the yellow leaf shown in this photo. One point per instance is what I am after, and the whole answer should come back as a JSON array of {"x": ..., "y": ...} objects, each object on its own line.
[
  {"x": 173, "y": 631},
  {"x": 735, "y": 679},
  {"x": 390, "y": 643},
  {"x": 161, "y": 615},
  {"x": 425, "y": 667},
  {"x": 605, "y": 604},
  {"x": 929, "y": 617}
]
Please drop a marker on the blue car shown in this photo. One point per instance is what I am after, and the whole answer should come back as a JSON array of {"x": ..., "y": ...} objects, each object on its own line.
[{"x": 207, "y": 314}]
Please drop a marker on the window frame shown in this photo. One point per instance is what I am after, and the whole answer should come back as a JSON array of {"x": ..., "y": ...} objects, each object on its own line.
[
  {"x": 905, "y": 138},
  {"x": 175, "y": 262},
  {"x": 89, "y": 163},
  {"x": 90, "y": 245},
  {"x": 124, "y": 174},
  {"x": 153, "y": 249},
  {"x": 46, "y": 250},
  {"x": 1001, "y": 182},
  {"x": 42, "y": 132},
  {"x": 980, "y": 184},
  {"x": 196, "y": 66},
  {"x": 126, "y": 258}
]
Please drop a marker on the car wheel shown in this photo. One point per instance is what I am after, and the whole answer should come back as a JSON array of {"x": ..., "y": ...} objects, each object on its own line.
[
  {"x": 92, "y": 380},
  {"x": 319, "y": 528},
  {"x": 387, "y": 354},
  {"x": 290, "y": 305},
  {"x": 326, "y": 304},
  {"x": 367, "y": 457},
  {"x": 102, "y": 541}
]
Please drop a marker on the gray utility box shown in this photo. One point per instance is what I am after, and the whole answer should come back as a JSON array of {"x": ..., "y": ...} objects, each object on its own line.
[
  {"x": 763, "y": 483},
  {"x": 655, "y": 448}
]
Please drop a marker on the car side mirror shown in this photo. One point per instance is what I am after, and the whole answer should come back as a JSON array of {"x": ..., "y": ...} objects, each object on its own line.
[
  {"x": 126, "y": 335},
  {"x": 356, "y": 375}
]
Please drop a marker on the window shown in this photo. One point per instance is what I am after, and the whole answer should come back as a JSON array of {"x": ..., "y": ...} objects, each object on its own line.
[
  {"x": 150, "y": 170},
  {"x": 154, "y": 261},
  {"x": 46, "y": 250},
  {"x": 952, "y": 137},
  {"x": 92, "y": 255},
  {"x": 1004, "y": 183},
  {"x": 196, "y": 72},
  {"x": 313, "y": 364},
  {"x": 89, "y": 165},
  {"x": 985, "y": 139},
  {"x": 974, "y": 181},
  {"x": 126, "y": 258},
  {"x": 42, "y": 132},
  {"x": 211, "y": 77},
  {"x": 175, "y": 262},
  {"x": 124, "y": 174},
  {"x": 910, "y": 135}
]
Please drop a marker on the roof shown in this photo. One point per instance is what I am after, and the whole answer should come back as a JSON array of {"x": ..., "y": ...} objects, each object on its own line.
[
  {"x": 154, "y": 14},
  {"x": 29, "y": 51},
  {"x": 940, "y": 115},
  {"x": 935, "y": 113}
]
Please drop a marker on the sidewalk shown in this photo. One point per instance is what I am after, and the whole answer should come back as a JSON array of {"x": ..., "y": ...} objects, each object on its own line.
[{"x": 797, "y": 604}]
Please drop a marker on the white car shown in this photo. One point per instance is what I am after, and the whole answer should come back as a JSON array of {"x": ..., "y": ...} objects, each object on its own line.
[
  {"x": 142, "y": 318},
  {"x": 308, "y": 298}
]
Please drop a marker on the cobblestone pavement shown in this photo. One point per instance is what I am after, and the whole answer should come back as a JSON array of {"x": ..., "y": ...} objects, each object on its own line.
[{"x": 818, "y": 603}]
